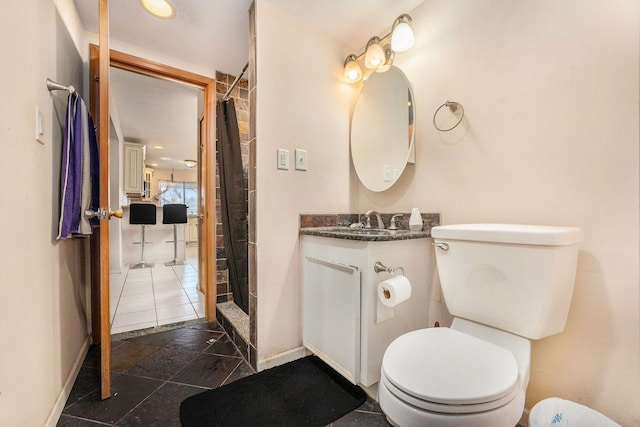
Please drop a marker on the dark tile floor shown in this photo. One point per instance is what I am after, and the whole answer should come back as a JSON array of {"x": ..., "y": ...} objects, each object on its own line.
[{"x": 152, "y": 374}]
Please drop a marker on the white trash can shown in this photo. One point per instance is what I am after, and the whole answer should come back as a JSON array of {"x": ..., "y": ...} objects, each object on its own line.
[{"x": 556, "y": 412}]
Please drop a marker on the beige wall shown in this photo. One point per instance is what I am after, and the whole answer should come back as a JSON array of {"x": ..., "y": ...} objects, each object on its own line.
[
  {"x": 302, "y": 103},
  {"x": 550, "y": 90},
  {"x": 550, "y": 136},
  {"x": 43, "y": 304}
]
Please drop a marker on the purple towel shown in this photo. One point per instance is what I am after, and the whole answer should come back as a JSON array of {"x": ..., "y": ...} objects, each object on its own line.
[{"x": 73, "y": 183}]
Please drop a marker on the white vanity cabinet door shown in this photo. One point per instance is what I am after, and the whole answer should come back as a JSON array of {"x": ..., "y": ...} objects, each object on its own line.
[{"x": 331, "y": 313}]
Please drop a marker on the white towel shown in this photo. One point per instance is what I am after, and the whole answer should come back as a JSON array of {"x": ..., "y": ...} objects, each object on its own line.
[{"x": 85, "y": 195}]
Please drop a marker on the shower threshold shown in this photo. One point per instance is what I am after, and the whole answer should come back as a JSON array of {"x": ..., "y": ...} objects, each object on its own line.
[{"x": 238, "y": 318}]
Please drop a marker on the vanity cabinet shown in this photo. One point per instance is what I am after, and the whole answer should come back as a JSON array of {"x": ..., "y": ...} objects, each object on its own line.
[
  {"x": 340, "y": 300},
  {"x": 133, "y": 169}
]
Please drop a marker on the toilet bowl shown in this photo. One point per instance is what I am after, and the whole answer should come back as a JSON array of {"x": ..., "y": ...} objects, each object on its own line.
[
  {"x": 451, "y": 377},
  {"x": 504, "y": 285}
]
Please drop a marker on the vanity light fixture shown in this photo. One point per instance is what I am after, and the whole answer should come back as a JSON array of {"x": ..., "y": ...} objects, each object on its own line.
[
  {"x": 380, "y": 51},
  {"x": 190, "y": 163},
  {"x": 159, "y": 8}
]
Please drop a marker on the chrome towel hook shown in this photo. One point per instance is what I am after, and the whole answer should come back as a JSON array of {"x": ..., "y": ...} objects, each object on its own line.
[{"x": 453, "y": 107}]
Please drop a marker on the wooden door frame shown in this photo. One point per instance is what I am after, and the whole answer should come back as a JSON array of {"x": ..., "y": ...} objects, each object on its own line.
[
  {"x": 208, "y": 85},
  {"x": 147, "y": 67},
  {"x": 206, "y": 226}
]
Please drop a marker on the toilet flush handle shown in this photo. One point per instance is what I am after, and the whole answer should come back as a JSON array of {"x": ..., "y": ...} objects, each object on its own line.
[{"x": 443, "y": 246}]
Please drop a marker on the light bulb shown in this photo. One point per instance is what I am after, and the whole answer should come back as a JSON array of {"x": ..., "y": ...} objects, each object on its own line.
[
  {"x": 374, "y": 57},
  {"x": 352, "y": 71},
  {"x": 402, "y": 37}
]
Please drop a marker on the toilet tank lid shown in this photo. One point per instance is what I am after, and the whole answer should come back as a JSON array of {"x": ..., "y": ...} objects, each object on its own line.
[{"x": 510, "y": 233}]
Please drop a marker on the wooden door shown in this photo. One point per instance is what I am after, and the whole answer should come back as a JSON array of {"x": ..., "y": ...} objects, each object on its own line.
[
  {"x": 99, "y": 108},
  {"x": 101, "y": 58}
]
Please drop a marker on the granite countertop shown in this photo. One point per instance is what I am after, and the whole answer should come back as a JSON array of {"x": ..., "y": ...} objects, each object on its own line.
[{"x": 370, "y": 235}]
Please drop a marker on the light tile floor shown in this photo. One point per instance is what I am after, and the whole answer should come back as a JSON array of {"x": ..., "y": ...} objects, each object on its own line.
[{"x": 150, "y": 297}]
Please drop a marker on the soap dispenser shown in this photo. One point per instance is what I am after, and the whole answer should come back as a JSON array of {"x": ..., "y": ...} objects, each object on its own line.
[{"x": 415, "y": 220}]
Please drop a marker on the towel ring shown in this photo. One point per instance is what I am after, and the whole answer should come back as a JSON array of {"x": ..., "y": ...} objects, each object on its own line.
[{"x": 453, "y": 107}]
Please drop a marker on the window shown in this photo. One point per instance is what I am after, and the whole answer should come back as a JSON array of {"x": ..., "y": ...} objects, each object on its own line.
[{"x": 180, "y": 192}]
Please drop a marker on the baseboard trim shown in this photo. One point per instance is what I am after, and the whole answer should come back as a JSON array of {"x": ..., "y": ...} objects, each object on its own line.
[
  {"x": 58, "y": 407},
  {"x": 282, "y": 358}
]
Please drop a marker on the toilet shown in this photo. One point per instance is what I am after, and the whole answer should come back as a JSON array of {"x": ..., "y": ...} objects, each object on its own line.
[{"x": 504, "y": 285}]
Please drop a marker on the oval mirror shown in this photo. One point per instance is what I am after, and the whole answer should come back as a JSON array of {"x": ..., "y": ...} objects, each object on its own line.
[{"x": 382, "y": 129}]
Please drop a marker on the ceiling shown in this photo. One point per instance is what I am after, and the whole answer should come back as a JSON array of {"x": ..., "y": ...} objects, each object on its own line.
[
  {"x": 161, "y": 114},
  {"x": 212, "y": 35}
]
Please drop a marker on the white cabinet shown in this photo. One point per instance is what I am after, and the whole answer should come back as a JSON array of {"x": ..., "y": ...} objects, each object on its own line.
[
  {"x": 340, "y": 300},
  {"x": 148, "y": 175},
  {"x": 191, "y": 230},
  {"x": 331, "y": 313},
  {"x": 133, "y": 169}
]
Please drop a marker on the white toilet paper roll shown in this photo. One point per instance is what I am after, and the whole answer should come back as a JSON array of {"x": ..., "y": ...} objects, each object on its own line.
[
  {"x": 394, "y": 290},
  {"x": 383, "y": 312}
]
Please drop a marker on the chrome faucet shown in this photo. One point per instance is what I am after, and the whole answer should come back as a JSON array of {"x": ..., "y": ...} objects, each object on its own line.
[
  {"x": 393, "y": 225},
  {"x": 378, "y": 218}
]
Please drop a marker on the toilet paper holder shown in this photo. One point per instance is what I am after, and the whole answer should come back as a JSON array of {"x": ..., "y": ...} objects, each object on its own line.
[{"x": 379, "y": 267}]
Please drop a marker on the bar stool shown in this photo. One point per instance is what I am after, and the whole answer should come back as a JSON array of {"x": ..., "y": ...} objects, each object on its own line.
[
  {"x": 142, "y": 214},
  {"x": 174, "y": 214}
]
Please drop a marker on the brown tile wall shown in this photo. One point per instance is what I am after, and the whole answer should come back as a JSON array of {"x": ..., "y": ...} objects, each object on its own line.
[
  {"x": 245, "y": 99},
  {"x": 240, "y": 97}
]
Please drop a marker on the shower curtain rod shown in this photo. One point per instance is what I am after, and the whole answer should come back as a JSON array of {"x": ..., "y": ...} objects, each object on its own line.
[
  {"x": 235, "y": 82},
  {"x": 51, "y": 85}
]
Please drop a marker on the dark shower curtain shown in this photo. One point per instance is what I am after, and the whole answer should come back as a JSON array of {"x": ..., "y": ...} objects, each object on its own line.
[{"x": 232, "y": 202}]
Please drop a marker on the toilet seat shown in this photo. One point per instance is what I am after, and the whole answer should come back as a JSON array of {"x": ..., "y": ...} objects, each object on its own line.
[{"x": 444, "y": 370}]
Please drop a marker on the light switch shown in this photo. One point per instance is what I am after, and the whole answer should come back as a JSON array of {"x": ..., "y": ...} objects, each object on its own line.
[
  {"x": 39, "y": 128},
  {"x": 283, "y": 159},
  {"x": 301, "y": 159}
]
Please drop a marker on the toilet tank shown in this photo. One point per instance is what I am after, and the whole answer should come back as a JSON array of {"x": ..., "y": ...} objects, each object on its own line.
[{"x": 518, "y": 278}]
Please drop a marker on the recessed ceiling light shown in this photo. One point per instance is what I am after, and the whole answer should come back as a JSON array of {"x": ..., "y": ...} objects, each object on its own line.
[
  {"x": 153, "y": 165},
  {"x": 158, "y": 147},
  {"x": 159, "y": 8},
  {"x": 165, "y": 158}
]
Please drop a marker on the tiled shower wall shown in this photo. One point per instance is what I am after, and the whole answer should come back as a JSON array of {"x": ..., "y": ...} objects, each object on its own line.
[
  {"x": 240, "y": 97},
  {"x": 246, "y": 112}
]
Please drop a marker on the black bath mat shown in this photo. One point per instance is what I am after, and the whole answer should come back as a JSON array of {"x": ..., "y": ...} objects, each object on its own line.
[{"x": 305, "y": 392}]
